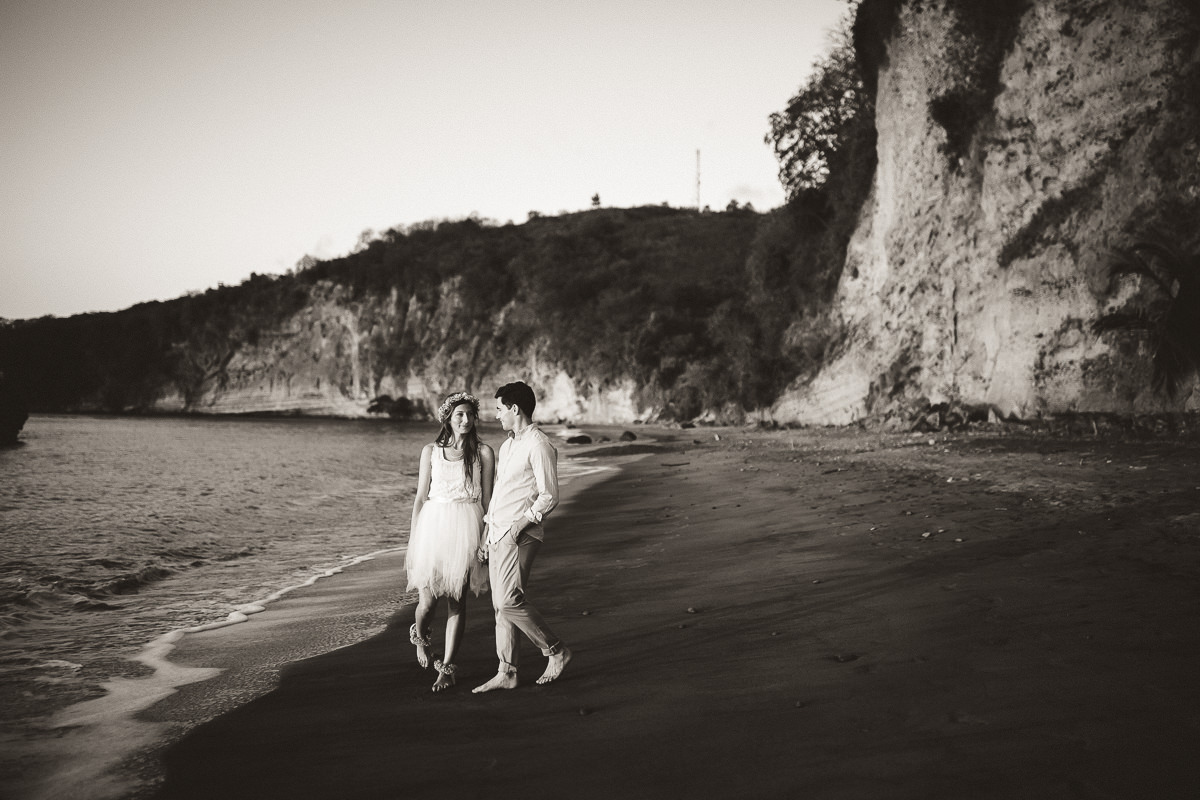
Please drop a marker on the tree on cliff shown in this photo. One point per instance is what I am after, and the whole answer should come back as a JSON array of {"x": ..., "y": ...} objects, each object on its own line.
[
  {"x": 824, "y": 140},
  {"x": 823, "y": 122}
]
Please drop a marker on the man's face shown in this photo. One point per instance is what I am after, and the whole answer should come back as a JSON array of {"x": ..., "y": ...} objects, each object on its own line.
[{"x": 507, "y": 415}]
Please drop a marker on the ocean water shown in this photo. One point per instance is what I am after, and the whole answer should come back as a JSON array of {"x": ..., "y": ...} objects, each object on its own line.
[{"x": 115, "y": 531}]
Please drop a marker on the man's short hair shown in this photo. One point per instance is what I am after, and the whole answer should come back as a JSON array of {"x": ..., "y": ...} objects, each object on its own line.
[{"x": 519, "y": 394}]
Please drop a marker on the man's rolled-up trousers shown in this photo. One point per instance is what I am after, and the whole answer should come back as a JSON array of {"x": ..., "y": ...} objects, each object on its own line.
[{"x": 509, "y": 564}]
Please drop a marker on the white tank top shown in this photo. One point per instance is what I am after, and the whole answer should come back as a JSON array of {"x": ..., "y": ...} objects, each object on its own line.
[{"x": 448, "y": 480}]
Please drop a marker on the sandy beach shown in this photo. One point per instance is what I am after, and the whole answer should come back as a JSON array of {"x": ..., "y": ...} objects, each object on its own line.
[{"x": 998, "y": 613}]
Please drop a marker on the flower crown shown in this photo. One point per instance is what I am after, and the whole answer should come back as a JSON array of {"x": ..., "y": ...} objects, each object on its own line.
[{"x": 458, "y": 397}]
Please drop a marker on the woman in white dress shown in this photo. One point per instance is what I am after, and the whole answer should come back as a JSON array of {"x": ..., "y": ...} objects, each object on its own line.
[{"x": 454, "y": 488}]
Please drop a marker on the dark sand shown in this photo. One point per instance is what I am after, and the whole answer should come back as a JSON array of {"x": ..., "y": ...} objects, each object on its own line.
[{"x": 765, "y": 616}]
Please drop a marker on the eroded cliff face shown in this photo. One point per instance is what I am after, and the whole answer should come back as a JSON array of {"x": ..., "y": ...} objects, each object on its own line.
[
  {"x": 339, "y": 352},
  {"x": 981, "y": 258}
]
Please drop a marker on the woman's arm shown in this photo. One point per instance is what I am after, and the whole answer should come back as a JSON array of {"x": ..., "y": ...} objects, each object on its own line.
[
  {"x": 487, "y": 474},
  {"x": 422, "y": 487}
]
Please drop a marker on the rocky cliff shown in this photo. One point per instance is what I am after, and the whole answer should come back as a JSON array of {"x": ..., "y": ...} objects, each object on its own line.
[
  {"x": 602, "y": 312},
  {"x": 1017, "y": 148},
  {"x": 338, "y": 353}
]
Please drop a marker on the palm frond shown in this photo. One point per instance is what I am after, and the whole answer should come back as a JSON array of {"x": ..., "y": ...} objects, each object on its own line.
[
  {"x": 1167, "y": 252},
  {"x": 1172, "y": 365},
  {"x": 1135, "y": 320},
  {"x": 1130, "y": 261}
]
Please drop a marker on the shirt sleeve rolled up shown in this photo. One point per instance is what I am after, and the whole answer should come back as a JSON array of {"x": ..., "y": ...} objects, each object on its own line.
[{"x": 543, "y": 459}]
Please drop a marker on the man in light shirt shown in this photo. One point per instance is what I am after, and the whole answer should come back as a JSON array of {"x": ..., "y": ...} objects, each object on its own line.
[{"x": 526, "y": 491}]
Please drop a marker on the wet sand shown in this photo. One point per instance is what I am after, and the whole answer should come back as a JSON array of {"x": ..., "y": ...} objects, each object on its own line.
[{"x": 829, "y": 614}]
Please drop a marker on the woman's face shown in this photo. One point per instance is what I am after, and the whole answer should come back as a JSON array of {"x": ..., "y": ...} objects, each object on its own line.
[{"x": 462, "y": 419}]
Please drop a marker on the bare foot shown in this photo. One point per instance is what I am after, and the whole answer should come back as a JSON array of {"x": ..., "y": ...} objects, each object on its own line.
[
  {"x": 422, "y": 644},
  {"x": 557, "y": 662},
  {"x": 502, "y": 680},
  {"x": 445, "y": 678}
]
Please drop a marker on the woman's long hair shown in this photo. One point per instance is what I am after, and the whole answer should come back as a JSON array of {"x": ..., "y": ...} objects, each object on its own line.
[{"x": 470, "y": 443}]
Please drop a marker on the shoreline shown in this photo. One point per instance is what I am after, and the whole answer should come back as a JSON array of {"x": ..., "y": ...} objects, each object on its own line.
[
  {"x": 104, "y": 747},
  {"x": 837, "y": 614},
  {"x": 99, "y": 735},
  {"x": 841, "y": 613},
  {"x": 363, "y": 604}
]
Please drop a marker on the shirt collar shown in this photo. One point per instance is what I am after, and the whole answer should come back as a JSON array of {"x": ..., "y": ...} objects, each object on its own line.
[{"x": 519, "y": 436}]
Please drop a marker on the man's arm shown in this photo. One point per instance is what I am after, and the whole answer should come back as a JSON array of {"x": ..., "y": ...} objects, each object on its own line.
[{"x": 543, "y": 458}]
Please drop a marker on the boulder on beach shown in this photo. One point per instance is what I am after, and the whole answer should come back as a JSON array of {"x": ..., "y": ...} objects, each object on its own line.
[{"x": 396, "y": 408}]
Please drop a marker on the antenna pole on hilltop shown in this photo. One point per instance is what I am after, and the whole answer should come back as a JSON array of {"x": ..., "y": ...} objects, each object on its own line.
[{"x": 697, "y": 179}]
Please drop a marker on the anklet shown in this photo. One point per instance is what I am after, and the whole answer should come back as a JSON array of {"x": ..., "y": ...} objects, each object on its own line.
[{"x": 417, "y": 639}]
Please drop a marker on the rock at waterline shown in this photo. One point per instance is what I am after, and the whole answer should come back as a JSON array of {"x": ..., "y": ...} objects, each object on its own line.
[{"x": 13, "y": 413}]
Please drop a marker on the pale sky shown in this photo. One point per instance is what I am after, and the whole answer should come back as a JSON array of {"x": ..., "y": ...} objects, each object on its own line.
[{"x": 153, "y": 147}]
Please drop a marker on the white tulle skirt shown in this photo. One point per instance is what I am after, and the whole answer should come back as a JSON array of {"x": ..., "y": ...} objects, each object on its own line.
[{"x": 441, "y": 549}]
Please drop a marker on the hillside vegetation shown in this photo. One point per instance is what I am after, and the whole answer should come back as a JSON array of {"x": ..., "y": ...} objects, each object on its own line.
[{"x": 681, "y": 302}]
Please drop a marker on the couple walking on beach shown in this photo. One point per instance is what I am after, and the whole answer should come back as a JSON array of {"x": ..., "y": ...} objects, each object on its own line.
[{"x": 470, "y": 531}]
